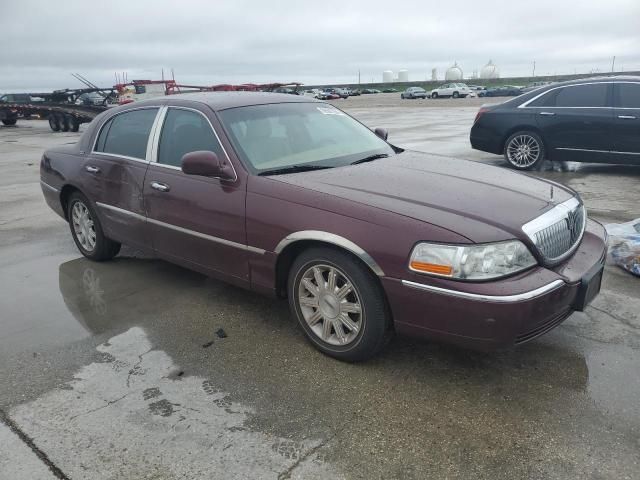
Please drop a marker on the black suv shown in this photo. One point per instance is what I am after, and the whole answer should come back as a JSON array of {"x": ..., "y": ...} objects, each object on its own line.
[{"x": 588, "y": 120}]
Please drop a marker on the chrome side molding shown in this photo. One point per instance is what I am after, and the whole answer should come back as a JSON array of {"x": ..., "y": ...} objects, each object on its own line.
[
  {"x": 518, "y": 297},
  {"x": 186, "y": 231}
]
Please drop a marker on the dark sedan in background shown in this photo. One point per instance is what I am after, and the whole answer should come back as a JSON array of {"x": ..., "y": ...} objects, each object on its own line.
[
  {"x": 290, "y": 196},
  {"x": 588, "y": 120},
  {"x": 503, "y": 91}
]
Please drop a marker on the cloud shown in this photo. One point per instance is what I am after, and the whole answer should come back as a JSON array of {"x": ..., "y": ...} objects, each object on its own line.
[{"x": 209, "y": 42}]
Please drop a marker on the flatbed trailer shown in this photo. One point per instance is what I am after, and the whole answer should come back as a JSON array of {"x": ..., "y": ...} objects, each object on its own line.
[
  {"x": 62, "y": 112},
  {"x": 61, "y": 116}
]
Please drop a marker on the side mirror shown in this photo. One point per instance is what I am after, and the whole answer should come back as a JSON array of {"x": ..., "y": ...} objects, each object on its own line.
[
  {"x": 382, "y": 133},
  {"x": 206, "y": 164}
]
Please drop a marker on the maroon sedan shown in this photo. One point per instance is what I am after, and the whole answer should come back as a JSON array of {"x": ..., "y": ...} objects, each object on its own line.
[{"x": 290, "y": 196}]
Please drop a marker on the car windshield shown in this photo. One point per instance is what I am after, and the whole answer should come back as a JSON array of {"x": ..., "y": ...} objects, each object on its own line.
[{"x": 283, "y": 135}]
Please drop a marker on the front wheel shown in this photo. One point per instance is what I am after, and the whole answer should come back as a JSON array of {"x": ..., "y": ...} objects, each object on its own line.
[
  {"x": 87, "y": 232},
  {"x": 434, "y": 95},
  {"x": 524, "y": 150},
  {"x": 9, "y": 121},
  {"x": 339, "y": 304},
  {"x": 455, "y": 95}
]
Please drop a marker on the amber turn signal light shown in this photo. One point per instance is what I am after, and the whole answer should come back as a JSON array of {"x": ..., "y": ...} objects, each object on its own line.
[{"x": 432, "y": 268}]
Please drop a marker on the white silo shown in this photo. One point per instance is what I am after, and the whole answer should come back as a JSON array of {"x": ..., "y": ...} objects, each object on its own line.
[
  {"x": 403, "y": 75},
  {"x": 434, "y": 74},
  {"x": 387, "y": 76},
  {"x": 489, "y": 71},
  {"x": 454, "y": 73}
]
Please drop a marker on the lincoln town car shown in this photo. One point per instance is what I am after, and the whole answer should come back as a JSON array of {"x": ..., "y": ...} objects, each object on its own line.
[{"x": 289, "y": 196}]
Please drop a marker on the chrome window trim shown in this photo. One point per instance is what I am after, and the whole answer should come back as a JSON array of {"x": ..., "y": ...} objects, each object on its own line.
[
  {"x": 126, "y": 157},
  {"x": 526, "y": 104},
  {"x": 551, "y": 217},
  {"x": 334, "y": 239},
  {"x": 152, "y": 145},
  {"x": 518, "y": 297},
  {"x": 186, "y": 231},
  {"x": 158, "y": 133},
  {"x": 46, "y": 185}
]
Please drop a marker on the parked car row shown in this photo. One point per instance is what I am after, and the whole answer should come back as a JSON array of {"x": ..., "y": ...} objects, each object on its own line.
[{"x": 587, "y": 120}]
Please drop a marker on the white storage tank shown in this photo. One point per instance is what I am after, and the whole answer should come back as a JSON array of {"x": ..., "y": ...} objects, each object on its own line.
[
  {"x": 387, "y": 76},
  {"x": 489, "y": 71},
  {"x": 454, "y": 73},
  {"x": 434, "y": 74},
  {"x": 403, "y": 76}
]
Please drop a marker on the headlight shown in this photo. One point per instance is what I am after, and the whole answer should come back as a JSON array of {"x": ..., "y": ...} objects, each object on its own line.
[{"x": 471, "y": 262}]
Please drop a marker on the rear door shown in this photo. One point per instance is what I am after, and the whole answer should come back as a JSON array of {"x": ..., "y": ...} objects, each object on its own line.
[
  {"x": 626, "y": 141},
  {"x": 195, "y": 220},
  {"x": 113, "y": 174},
  {"x": 576, "y": 122}
]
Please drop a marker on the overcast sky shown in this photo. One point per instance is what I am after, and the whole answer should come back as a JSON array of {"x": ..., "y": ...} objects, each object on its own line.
[{"x": 321, "y": 42}]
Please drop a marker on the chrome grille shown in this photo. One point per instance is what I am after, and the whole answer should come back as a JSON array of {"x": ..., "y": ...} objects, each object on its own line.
[{"x": 558, "y": 232}]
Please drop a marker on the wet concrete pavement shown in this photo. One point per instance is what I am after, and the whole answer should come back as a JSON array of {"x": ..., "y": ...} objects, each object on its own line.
[{"x": 114, "y": 370}]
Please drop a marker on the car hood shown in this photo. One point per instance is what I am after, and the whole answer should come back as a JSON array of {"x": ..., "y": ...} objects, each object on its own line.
[{"x": 481, "y": 202}]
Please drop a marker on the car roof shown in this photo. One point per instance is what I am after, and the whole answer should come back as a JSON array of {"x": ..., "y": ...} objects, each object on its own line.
[
  {"x": 598, "y": 79},
  {"x": 224, "y": 100}
]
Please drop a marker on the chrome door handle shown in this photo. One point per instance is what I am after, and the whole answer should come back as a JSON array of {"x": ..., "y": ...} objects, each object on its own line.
[
  {"x": 162, "y": 187},
  {"x": 547, "y": 113},
  {"x": 627, "y": 117},
  {"x": 92, "y": 169}
]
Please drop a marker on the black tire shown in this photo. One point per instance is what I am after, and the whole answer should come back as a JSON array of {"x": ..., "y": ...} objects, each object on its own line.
[
  {"x": 54, "y": 124},
  {"x": 455, "y": 95},
  {"x": 434, "y": 95},
  {"x": 104, "y": 248},
  {"x": 402, "y": 96},
  {"x": 532, "y": 157},
  {"x": 64, "y": 122},
  {"x": 74, "y": 124},
  {"x": 9, "y": 121},
  {"x": 374, "y": 318}
]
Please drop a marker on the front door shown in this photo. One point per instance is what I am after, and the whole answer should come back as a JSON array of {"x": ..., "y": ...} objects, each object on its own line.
[
  {"x": 113, "y": 174},
  {"x": 576, "y": 122},
  {"x": 626, "y": 139},
  {"x": 195, "y": 220}
]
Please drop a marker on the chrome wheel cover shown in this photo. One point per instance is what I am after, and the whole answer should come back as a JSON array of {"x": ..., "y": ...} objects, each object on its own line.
[
  {"x": 523, "y": 151},
  {"x": 83, "y": 226},
  {"x": 330, "y": 304}
]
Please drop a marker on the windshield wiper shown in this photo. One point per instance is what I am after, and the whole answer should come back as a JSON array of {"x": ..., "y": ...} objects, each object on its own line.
[
  {"x": 294, "y": 169},
  {"x": 370, "y": 158}
]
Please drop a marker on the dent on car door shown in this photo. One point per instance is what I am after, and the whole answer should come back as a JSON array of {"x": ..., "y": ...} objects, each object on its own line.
[
  {"x": 193, "y": 219},
  {"x": 576, "y": 122},
  {"x": 113, "y": 174},
  {"x": 627, "y": 122}
]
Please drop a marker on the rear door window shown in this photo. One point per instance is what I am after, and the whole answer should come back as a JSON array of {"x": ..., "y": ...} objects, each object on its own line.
[
  {"x": 628, "y": 95},
  {"x": 185, "y": 131},
  {"x": 127, "y": 134},
  {"x": 590, "y": 95}
]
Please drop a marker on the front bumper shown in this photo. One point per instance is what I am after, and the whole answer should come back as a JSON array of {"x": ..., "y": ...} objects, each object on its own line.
[{"x": 495, "y": 315}]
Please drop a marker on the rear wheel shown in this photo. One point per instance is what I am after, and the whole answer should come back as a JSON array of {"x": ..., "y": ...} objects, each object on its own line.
[
  {"x": 338, "y": 303},
  {"x": 524, "y": 150},
  {"x": 402, "y": 96},
  {"x": 64, "y": 122},
  {"x": 53, "y": 122},
  {"x": 86, "y": 230},
  {"x": 434, "y": 95},
  {"x": 9, "y": 121},
  {"x": 74, "y": 124},
  {"x": 455, "y": 95}
]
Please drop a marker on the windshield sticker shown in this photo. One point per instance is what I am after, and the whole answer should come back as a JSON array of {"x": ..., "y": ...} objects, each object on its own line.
[{"x": 330, "y": 111}]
